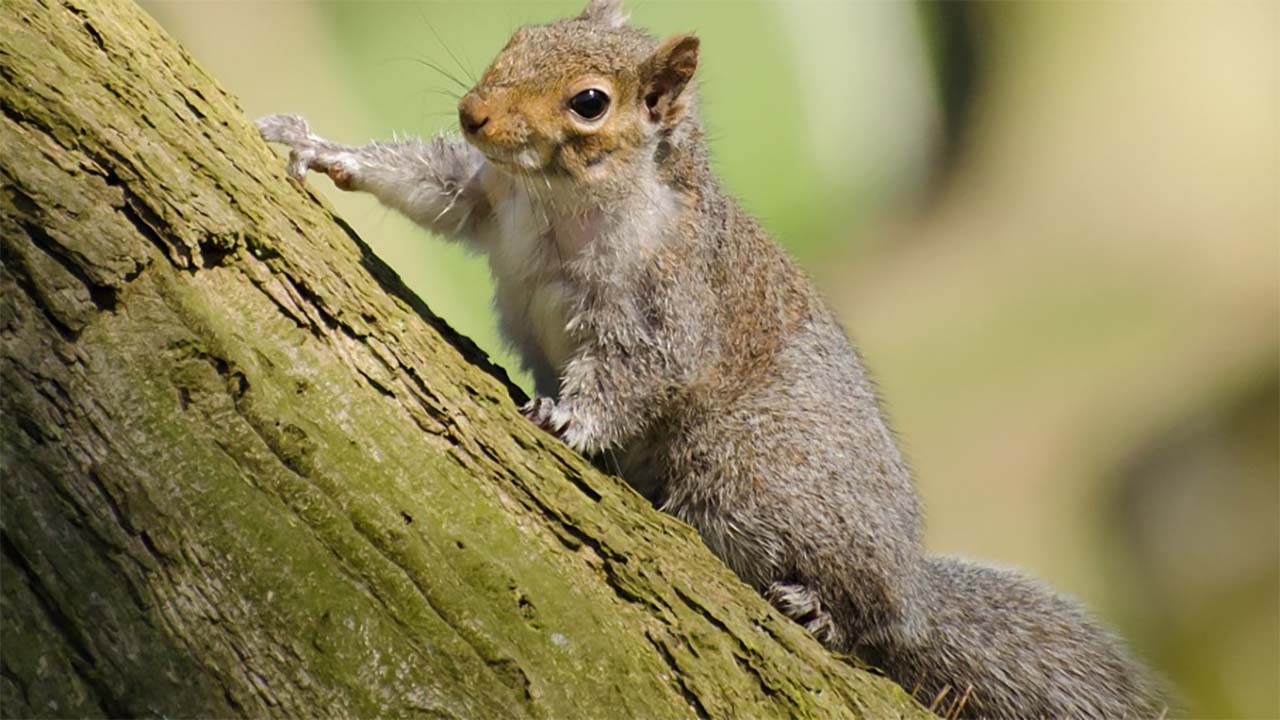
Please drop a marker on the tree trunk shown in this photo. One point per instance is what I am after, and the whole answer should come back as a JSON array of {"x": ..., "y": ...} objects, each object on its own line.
[{"x": 246, "y": 472}]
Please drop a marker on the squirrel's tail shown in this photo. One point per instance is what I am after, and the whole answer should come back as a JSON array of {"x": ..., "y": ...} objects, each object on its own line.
[{"x": 1000, "y": 645}]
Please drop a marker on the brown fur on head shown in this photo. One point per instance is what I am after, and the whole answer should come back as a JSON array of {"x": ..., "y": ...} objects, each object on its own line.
[{"x": 522, "y": 113}]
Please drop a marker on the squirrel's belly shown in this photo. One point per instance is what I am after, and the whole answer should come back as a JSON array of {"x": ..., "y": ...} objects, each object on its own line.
[
  {"x": 533, "y": 304},
  {"x": 546, "y": 313},
  {"x": 531, "y": 297},
  {"x": 533, "y": 317}
]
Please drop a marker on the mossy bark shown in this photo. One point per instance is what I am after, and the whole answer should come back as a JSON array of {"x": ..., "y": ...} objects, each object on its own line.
[{"x": 246, "y": 472}]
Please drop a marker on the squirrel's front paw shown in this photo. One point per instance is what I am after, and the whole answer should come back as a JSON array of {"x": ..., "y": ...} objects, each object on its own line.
[
  {"x": 285, "y": 129},
  {"x": 576, "y": 430},
  {"x": 307, "y": 151},
  {"x": 546, "y": 414}
]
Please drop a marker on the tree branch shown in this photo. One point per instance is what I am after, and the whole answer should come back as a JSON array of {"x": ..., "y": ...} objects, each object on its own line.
[{"x": 246, "y": 472}]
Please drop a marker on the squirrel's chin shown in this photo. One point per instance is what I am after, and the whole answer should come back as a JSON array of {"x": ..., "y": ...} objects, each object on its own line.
[
  {"x": 546, "y": 175},
  {"x": 527, "y": 161}
]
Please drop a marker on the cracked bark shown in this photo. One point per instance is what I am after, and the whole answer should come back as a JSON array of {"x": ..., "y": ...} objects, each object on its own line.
[{"x": 246, "y": 472}]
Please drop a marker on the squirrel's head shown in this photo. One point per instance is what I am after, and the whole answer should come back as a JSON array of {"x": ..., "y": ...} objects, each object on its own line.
[{"x": 581, "y": 98}]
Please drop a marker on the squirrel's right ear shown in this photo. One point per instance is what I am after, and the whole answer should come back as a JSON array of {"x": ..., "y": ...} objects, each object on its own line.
[
  {"x": 666, "y": 74},
  {"x": 605, "y": 12}
]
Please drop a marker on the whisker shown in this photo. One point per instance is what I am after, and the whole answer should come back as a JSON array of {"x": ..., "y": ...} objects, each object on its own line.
[
  {"x": 546, "y": 208},
  {"x": 470, "y": 75},
  {"x": 613, "y": 457},
  {"x": 437, "y": 68},
  {"x": 442, "y": 91}
]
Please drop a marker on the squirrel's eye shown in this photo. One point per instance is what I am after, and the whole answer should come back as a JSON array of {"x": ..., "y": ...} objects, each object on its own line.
[{"x": 589, "y": 104}]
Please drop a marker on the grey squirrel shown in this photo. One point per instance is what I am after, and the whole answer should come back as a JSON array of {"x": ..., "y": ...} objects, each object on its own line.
[{"x": 664, "y": 327}]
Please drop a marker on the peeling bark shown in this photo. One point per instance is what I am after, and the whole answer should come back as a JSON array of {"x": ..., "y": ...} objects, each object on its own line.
[{"x": 247, "y": 473}]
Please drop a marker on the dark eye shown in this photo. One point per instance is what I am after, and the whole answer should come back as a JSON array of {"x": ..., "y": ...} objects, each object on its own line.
[{"x": 589, "y": 104}]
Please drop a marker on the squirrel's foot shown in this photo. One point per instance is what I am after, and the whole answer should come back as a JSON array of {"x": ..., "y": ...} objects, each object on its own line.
[
  {"x": 307, "y": 151},
  {"x": 546, "y": 414},
  {"x": 803, "y": 605}
]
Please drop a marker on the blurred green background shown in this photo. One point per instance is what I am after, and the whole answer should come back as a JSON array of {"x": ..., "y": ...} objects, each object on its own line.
[{"x": 1052, "y": 228}]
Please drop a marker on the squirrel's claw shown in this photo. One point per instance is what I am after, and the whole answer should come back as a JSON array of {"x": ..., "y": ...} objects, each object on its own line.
[
  {"x": 291, "y": 130},
  {"x": 286, "y": 129},
  {"x": 306, "y": 151},
  {"x": 803, "y": 606},
  {"x": 543, "y": 412}
]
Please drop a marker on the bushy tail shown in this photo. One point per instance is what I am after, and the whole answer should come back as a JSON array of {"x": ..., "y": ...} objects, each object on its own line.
[{"x": 1000, "y": 645}]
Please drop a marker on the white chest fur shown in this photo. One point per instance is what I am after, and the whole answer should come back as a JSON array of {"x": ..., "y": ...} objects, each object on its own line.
[
  {"x": 533, "y": 241},
  {"x": 532, "y": 292}
]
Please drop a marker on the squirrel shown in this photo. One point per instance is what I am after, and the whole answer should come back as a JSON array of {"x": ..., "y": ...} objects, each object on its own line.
[{"x": 663, "y": 327}]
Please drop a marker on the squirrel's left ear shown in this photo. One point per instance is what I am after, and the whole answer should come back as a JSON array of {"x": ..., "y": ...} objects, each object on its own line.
[
  {"x": 605, "y": 12},
  {"x": 666, "y": 74}
]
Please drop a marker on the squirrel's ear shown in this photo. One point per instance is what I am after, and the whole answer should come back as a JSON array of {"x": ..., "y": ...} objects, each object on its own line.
[
  {"x": 666, "y": 74},
  {"x": 605, "y": 12}
]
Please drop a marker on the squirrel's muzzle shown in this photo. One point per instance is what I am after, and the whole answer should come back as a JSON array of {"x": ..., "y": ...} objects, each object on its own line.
[{"x": 472, "y": 115}]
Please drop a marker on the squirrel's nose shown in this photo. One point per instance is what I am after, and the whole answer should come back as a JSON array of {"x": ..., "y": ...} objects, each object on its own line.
[{"x": 471, "y": 115}]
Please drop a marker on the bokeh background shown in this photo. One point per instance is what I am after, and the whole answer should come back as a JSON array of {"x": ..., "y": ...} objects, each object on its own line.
[{"x": 1051, "y": 227}]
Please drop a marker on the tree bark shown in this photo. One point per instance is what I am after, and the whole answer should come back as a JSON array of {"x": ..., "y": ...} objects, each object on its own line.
[{"x": 246, "y": 472}]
